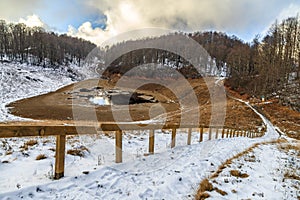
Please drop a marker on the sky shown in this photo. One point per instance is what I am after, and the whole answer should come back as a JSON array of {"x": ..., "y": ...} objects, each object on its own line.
[{"x": 100, "y": 20}]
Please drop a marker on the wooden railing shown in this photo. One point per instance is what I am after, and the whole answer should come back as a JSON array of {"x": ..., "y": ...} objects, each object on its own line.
[{"x": 61, "y": 131}]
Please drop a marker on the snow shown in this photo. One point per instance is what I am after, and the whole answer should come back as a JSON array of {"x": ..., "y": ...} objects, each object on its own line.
[
  {"x": 100, "y": 101},
  {"x": 168, "y": 174},
  {"x": 266, "y": 167},
  {"x": 18, "y": 81}
]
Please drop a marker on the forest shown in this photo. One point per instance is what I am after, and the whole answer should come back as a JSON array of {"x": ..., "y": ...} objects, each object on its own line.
[
  {"x": 266, "y": 66},
  {"x": 36, "y": 46}
]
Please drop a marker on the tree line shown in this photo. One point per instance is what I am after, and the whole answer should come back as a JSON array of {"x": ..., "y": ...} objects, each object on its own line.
[
  {"x": 267, "y": 66},
  {"x": 34, "y": 45},
  {"x": 261, "y": 67}
]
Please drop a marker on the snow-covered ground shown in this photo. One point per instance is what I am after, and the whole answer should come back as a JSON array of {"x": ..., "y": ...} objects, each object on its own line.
[
  {"x": 168, "y": 174},
  {"x": 18, "y": 81},
  {"x": 272, "y": 174}
]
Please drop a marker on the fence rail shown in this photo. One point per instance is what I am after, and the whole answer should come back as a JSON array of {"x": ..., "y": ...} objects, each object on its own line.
[{"x": 61, "y": 131}]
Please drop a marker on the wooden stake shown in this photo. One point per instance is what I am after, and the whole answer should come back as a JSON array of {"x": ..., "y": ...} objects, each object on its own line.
[
  {"x": 118, "y": 146},
  {"x": 209, "y": 133},
  {"x": 201, "y": 134},
  {"x": 151, "y": 141},
  {"x": 60, "y": 156},
  {"x": 189, "y": 136},
  {"x": 173, "y": 142},
  {"x": 217, "y": 132},
  {"x": 223, "y": 133}
]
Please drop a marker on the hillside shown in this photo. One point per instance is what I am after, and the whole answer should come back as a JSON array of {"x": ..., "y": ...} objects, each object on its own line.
[{"x": 35, "y": 46}]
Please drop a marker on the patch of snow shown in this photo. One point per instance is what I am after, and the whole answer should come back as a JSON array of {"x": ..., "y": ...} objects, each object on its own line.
[{"x": 100, "y": 101}]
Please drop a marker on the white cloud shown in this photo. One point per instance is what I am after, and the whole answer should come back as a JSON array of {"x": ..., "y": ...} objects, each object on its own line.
[
  {"x": 13, "y": 10},
  {"x": 233, "y": 16},
  {"x": 32, "y": 21},
  {"x": 291, "y": 11}
]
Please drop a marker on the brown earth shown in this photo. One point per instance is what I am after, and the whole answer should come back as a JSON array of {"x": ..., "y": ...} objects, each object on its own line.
[
  {"x": 287, "y": 119},
  {"x": 58, "y": 106}
]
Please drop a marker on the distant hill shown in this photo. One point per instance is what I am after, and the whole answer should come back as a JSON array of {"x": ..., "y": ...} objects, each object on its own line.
[
  {"x": 267, "y": 67},
  {"x": 36, "y": 46}
]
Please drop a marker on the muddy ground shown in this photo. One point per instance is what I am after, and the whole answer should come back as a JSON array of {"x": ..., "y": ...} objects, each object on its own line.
[{"x": 59, "y": 106}]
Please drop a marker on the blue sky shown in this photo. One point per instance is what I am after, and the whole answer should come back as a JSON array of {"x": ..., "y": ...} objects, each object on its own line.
[
  {"x": 60, "y": 14},
  {"x": 98, "y": 20}
]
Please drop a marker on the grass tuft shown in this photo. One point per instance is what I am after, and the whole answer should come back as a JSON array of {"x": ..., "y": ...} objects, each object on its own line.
[
  {"x": 41, "y": 157},
  {"x": 78, "y": 151},
  {"x": 238, "y": 174},
  {"x": 205, "y": 186},
  {"x": 221, "y": 192},
  {"x": 31, "y": 143}
]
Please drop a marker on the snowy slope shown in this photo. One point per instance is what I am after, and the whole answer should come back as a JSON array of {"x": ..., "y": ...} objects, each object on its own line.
[
  {"x": 168, "y": 174},
  {"x": 18, "y": 81},
  {"x": 266, "y": 167}
]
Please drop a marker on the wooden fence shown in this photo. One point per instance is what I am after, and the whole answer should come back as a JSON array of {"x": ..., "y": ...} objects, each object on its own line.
[{"x": 61, "y": 131}]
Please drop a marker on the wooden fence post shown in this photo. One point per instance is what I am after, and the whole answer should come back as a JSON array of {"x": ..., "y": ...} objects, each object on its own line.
[
  {"x": 189, "y": 136},
  {"x": 173, "y": 142},
  {"x": 201, "y": 134},
  {"x": 217, "y": 133},
  {"x": 118, "y": 146},
  {"x": 209, "y": 133},
  {"x": 60, "y": 156},
  {"x": 234, "y": 133},
  {"x": 151, "y": 141},
  {"x": 223, "y": 133},
  {"x": 227, "y": 133}
]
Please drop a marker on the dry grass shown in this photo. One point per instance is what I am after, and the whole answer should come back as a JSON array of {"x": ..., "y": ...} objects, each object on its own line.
[
  {"x": 52, "y": 149},
  {"x": 205, "y": 186},
  {"x": 78, "y": 151},
  {"x": 41, "y": 157},
  {"x": 287, "y": 147},
  {"x": 28, "y": 144},
  {"x": 238, "y": 174},
  {"x": 293, "y": 176},
  {"x": 31, "y": 143},
  {"x": 221, "y": 192},
  {"x": 202, "y": 196},
  {"x": 285, "y": 118}
]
